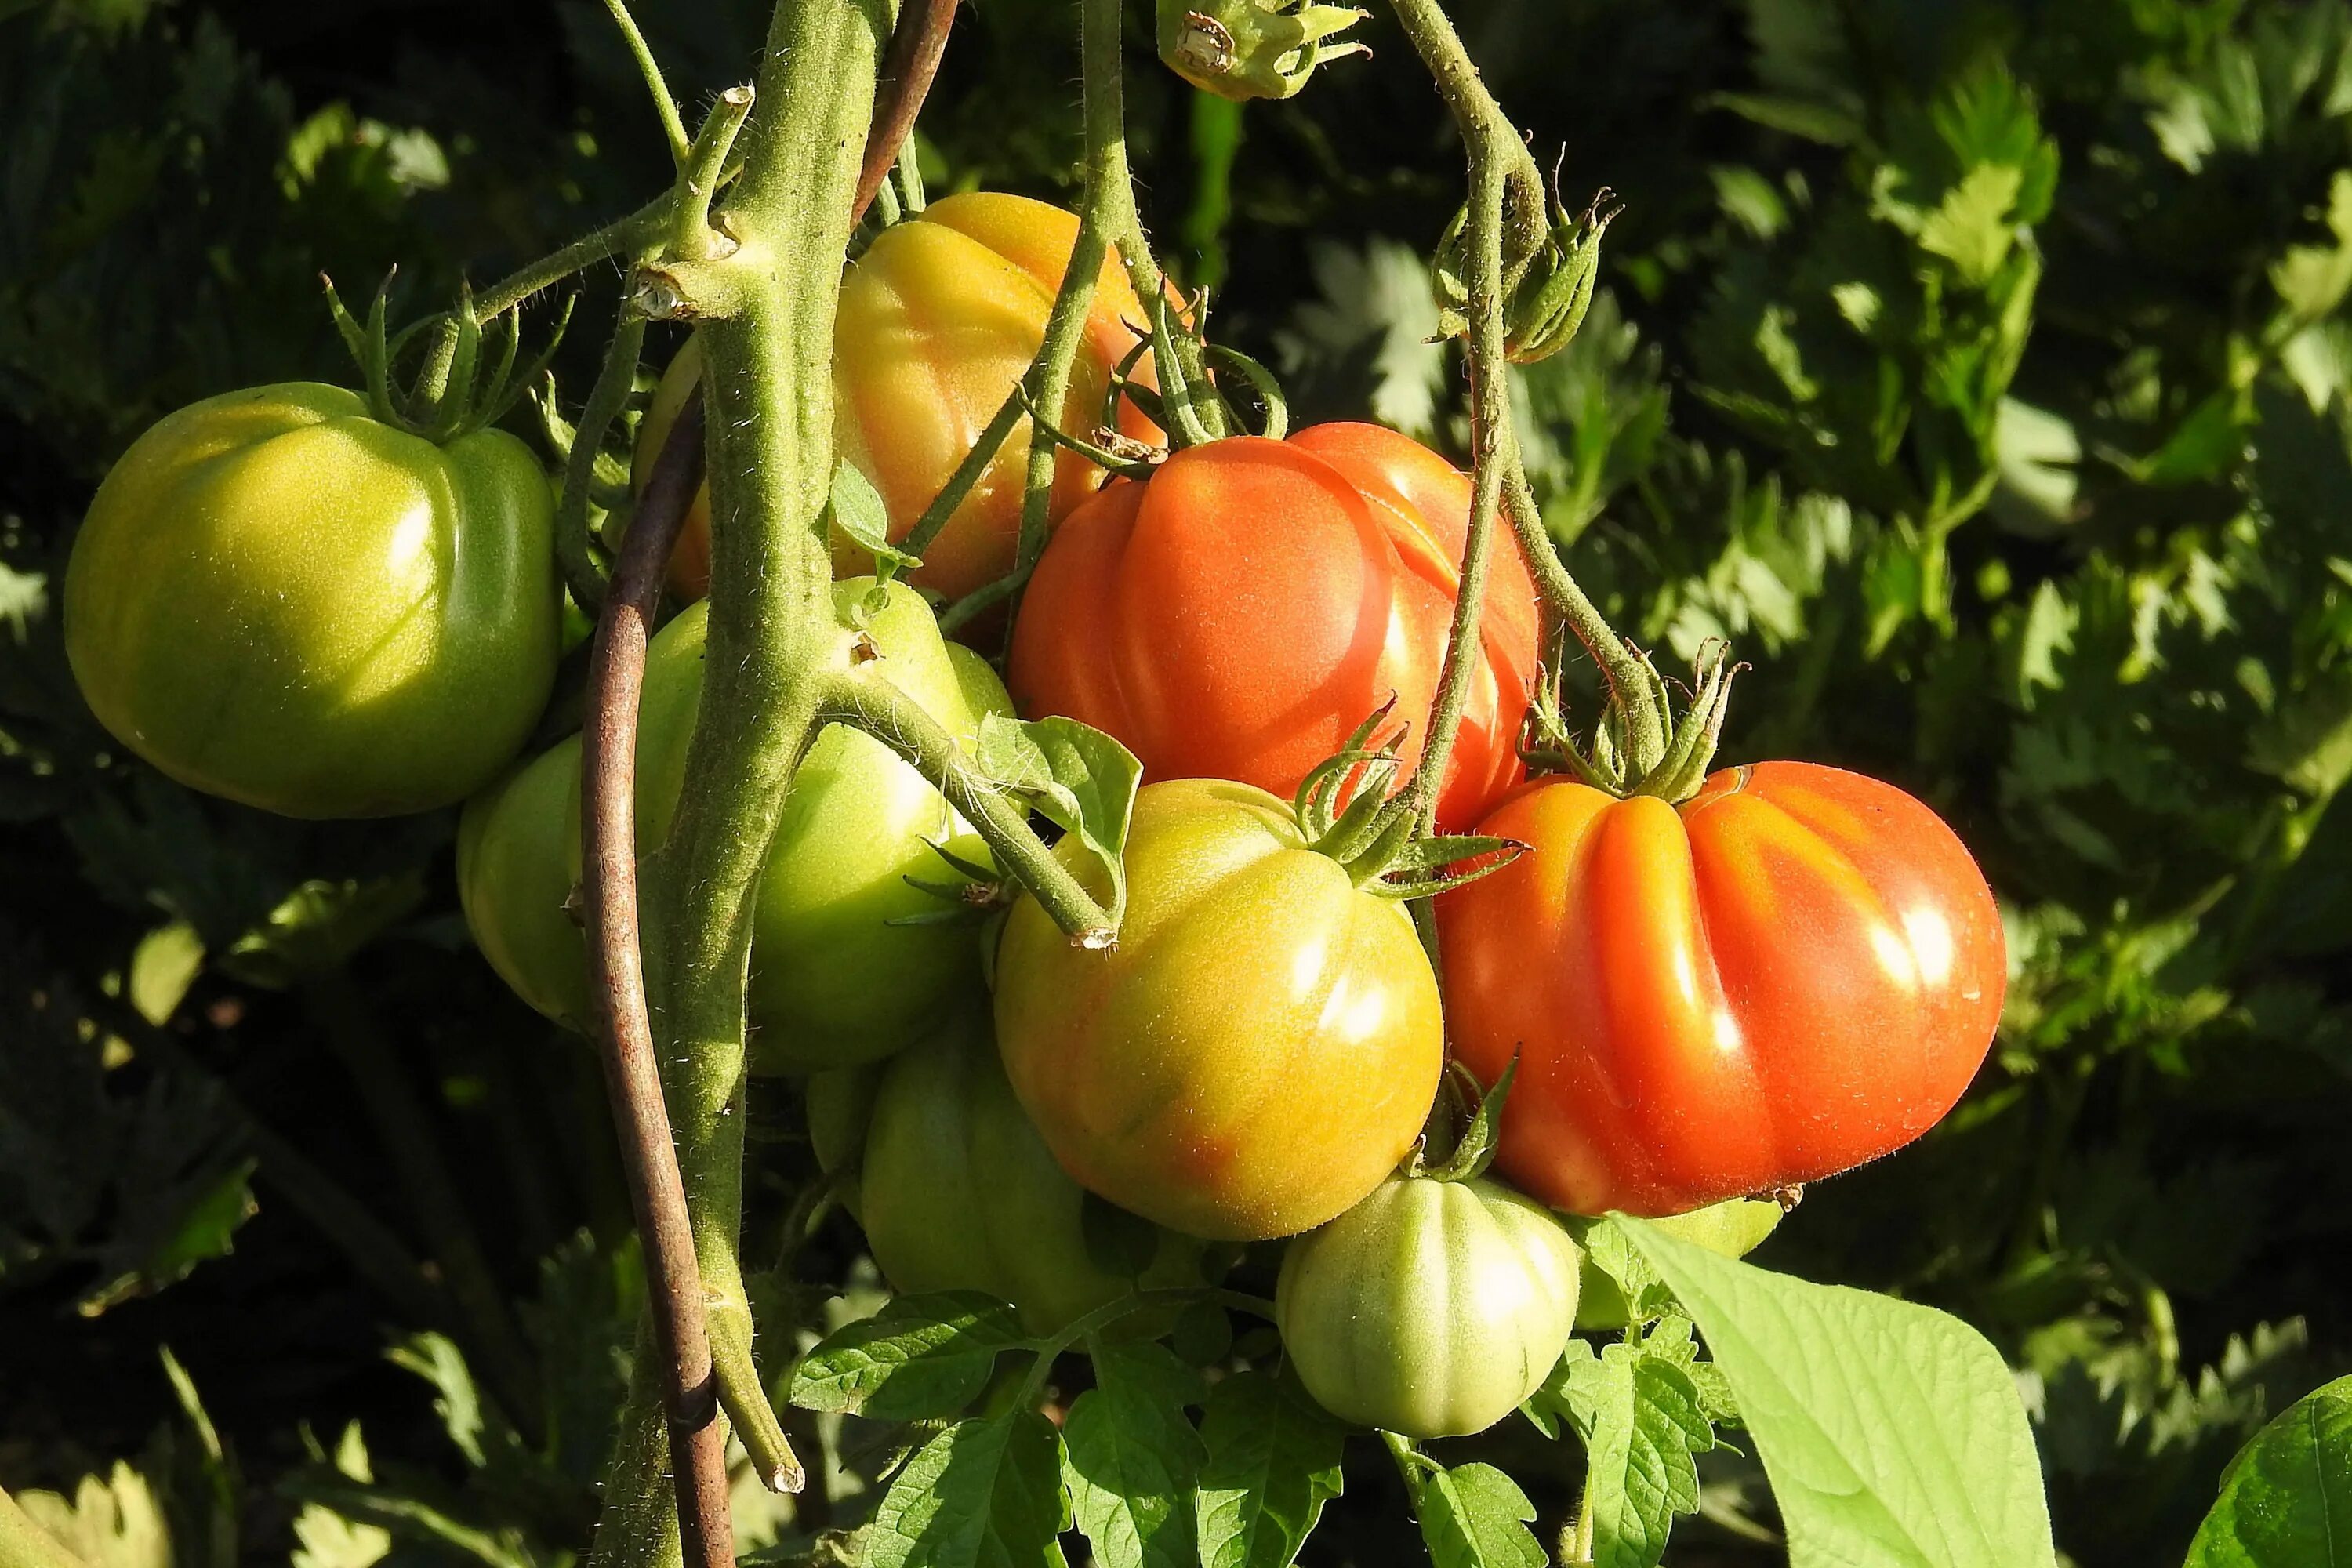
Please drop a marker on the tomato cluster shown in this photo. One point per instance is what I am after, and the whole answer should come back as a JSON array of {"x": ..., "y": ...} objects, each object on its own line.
[{"x": 283, "y": 600}]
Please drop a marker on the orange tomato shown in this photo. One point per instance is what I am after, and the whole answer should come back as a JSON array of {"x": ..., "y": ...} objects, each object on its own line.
[
  {"x": 938, "y": 319},
  {"x": 1795, "y": 971},
  {"x": 1241, "y": 611}
]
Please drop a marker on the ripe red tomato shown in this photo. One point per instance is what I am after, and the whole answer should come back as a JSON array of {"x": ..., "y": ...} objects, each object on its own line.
[
  {"x": 938, "y": 319},
  {"x": 1239, "y": 613},
  {"x": 1795, "y": 971}
]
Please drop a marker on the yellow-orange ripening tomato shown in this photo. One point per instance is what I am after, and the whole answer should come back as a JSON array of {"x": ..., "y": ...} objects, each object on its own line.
[
  {"x": 1794, "y": 970},
  {"x": 938, "y": 319},
  {"x": 279, "y": 599},
  {"x": 1259, "y": 1049}
]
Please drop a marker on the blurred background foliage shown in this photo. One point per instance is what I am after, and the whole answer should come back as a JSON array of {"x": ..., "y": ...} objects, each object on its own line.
[{"x": 1978, "y": 369}]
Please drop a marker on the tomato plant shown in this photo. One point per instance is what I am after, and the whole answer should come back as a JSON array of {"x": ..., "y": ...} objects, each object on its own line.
[
  {"x": 957, "y": 1192},
  {"x": 1240, "y": 614},
  {"x": 1796, "y": 970},
  {"x": 1259, "y": 1051},
  {"x": 837, "y": 976},
  {"x": 938, "y": 319},
  {"x": 279, "y": 598},
  {"x": 1431, "y": 1308}
]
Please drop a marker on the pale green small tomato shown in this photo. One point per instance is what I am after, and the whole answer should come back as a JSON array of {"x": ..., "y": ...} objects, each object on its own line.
[
  {"x": 959, "y": 1193},
  {"x": 1732, "y": 1228},
  {"x": 1431, "y": 1309}
]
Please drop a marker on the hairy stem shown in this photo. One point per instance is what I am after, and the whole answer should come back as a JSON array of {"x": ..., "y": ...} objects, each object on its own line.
[
  {"x": 1490, "y": 415},
  {"x": 664, "y": 106},
  {"x": 891, "y": 717},
  {"x": 574, "y": 551},
  {"x": 1630, "y": 678},
  {"x": 622, "y": 237}
]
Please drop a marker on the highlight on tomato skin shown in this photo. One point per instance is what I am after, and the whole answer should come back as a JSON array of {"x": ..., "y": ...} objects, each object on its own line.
[
  {"x": 1238, "y": 615},
  {"x": 1794, "y": 971}
]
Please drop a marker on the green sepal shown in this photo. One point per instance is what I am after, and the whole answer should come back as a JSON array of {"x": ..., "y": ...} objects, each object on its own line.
[
  {"x": 1552, "y": 299},
  {"x": 1420, "y": 869},
  {"x": 1245, "y": 49},
  {"x": 1474, "y": 1150}
]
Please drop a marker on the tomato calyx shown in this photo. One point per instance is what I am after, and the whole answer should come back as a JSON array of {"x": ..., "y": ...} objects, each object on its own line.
[
  {"x": 1479, "y": 1113},
  {"x": 1550, "y": 292},
  {"x": 1609, "y": 762},
  {"x": 466, "y": 379},
  {"x": 1245, "y": 49},
  {"x": 1349, "y": 810}
]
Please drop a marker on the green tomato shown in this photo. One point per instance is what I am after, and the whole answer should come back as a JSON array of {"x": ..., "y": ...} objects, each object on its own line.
[
  {"x": 840, "y": 1104},
  {"x": 276, "y": 599},
  {"x": 1732, "y": 1229},
  {"x": 959, "y": 1193},
  {"x": 517, "y": 862},
  {"x": 833, "y": 980},
  {"x": 1431, "y": 1309}
]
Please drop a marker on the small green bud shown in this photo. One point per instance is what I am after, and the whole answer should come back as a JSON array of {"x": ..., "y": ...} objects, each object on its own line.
[
  {"x": 1242, "y": 49},
  {"x": 1553, "y": 294},
  {"x": 1557, "y": 289}
]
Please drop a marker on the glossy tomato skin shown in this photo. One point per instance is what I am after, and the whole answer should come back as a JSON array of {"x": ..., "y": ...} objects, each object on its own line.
[
  {"x": 957, "y": 1191},
  {"x": 1431, "y": 1309},
  {"x": 1259, "y": 1051},
  {"x": 1730, "y": 1229},
  {"x": 1238, "y": 615},
  {"x": 938, "y": 319},
  {"x": 1795, "y": 971},
  {"x": 276, "y": 599},
  {"x": 833, "y": 981}
]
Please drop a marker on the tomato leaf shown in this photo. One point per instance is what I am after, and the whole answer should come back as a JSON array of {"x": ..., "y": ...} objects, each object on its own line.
[
  {"x": 1643, "y": 1417},
  {"x": 1273, "y": 1462},
  {"x": 919, "y": 1356},
  {"x": 1892, "y": 1433},
  {"x": 2285, "y": 1494},
  {"x": 1474, "y": 1516},
  {"x": 1129, "y": 1457},
  {"x": 858, "y": 512},
  {"x": 1612, "y": 1251},
  {"x": 1081, "y": 779},
  {"x": 983, "y": 1491}
]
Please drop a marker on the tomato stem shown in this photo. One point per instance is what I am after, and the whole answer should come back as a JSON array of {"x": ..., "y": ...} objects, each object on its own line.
[
  {"x": 917, "y": 42},
  {"x": 583, "y": 572},
  {"x": 664, "y": 106},
  {"x": 623, "y": 236},
  {"x": 1053, "y": 1347},
  {"x": 968, "y": 472},
  {"x": 880, "y": 710},
  {"x": 699, "y": 174}
]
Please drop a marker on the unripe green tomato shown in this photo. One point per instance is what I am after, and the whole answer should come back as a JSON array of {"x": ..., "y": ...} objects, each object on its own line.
[
  {"x": 280, "y": 600},
  {"x": 1732, "y": 1229},
  {"x": 840, "y": 1103},
  {"x": 517, "y": 862},
  {"x": 1431, "y": 1308},
  {"x": 959, "y": 1193},
  {"x": 833, "y": 981}
]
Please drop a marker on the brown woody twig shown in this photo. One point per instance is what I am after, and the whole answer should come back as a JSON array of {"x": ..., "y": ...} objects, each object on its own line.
[{"x": 916, "y": 43}]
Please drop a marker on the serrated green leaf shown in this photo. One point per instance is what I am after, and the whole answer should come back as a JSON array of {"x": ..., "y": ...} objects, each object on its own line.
[
  {"x": 1474, "y": 1516},
  {"x": 982, "y": 1494},
  {"x": 2286, "y": 1497},
  {"x": 1894, "y": 1435},
  {"x": 1130, "y": 1457},
  {"x": 1641, "y": 1418},
  {"x": 919, "y": 1356},
  {"x": 1081, "y": 779},
  {"x": 1273, "y": 1462}
]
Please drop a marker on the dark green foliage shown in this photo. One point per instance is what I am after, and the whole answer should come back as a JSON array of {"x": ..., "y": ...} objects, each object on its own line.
[{"x": 1981, "y": 371}]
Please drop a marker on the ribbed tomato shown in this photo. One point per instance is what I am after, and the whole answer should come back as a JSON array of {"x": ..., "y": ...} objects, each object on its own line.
[
  {"x": 1239, "y": 613},
  {"x": 1796, "y": 970},
  {"x": 938, "y": 319}
]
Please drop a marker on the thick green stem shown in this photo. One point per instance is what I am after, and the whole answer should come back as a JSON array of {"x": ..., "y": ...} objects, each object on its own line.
[
  {"x": 883, "y": 711},
  {"x": 768, "y": 388},
  {"x": 698, "y": 173},
  {"x": 1485, "y": 128},
  {"x": 1490, "y": 415},
  {"x": 1049, "y": 376}
]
